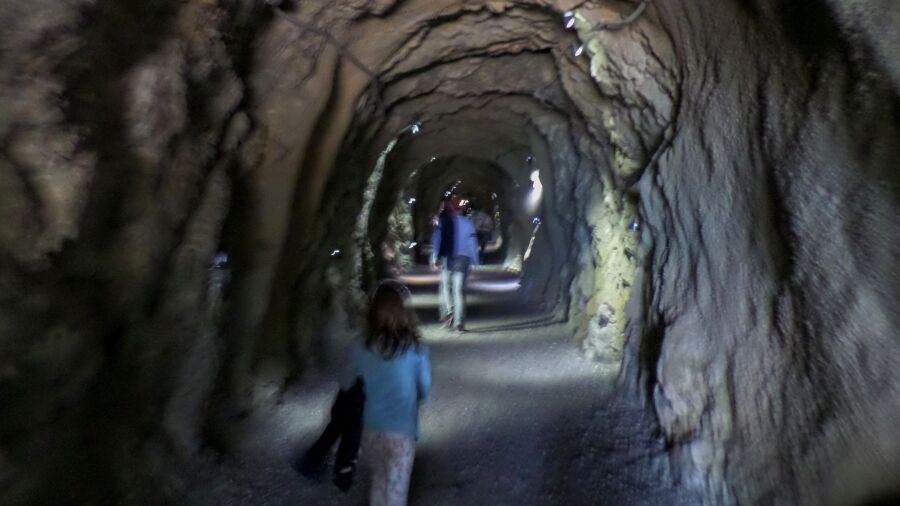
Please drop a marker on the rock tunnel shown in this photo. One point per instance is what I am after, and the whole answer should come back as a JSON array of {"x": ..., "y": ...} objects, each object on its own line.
[{"x": 716, "y": 231}]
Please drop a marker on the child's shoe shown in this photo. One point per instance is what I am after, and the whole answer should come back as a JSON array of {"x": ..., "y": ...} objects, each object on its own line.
[{"x": 343, "y": 478}]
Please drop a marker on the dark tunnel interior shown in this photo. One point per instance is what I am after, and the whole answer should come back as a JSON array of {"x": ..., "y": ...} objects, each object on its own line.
[{"x": 688, "y": 293}]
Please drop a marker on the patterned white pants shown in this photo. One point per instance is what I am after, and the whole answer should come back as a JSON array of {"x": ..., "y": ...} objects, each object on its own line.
[{"x": 390, "y": 457}]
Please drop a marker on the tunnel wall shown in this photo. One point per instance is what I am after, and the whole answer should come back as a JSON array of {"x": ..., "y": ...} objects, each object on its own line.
[
  {"x": 121, "y": 123},
  {"x": 755, "y": 142},
  {"x": 771, "y": 274}
]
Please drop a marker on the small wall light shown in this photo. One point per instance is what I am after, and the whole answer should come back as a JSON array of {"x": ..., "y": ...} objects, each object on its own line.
[
  {"x": 220, "y": 261},
  {"x": 536, "y": 193}
]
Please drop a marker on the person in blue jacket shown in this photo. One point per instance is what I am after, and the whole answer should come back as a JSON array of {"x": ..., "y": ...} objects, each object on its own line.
[
  {"x": 394, "y": 367},
  {"x": 454, "y": 250}
]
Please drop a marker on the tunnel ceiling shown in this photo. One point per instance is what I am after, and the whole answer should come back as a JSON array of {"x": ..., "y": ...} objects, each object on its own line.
[
  {"x": 497, "y": 82},
  {"x": 679, "y": 157},
  {"x": 518, "y": 58}
]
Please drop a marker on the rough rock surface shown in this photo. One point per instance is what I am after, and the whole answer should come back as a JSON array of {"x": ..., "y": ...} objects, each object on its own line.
[
  {"x": 117, "y": 136},
  {"x": 719, "y": 218}
]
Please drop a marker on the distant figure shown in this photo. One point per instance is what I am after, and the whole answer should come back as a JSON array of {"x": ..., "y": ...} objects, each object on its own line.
[
  {"x": 454, "y": 249},
  {"x": 442, "y": 248},
  {"x": 396, "y": 371},
  {"x": 484, "y": 226}
]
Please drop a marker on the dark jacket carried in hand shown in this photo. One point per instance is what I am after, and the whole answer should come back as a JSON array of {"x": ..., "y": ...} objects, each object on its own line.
[{"x": 346, "y": 424}]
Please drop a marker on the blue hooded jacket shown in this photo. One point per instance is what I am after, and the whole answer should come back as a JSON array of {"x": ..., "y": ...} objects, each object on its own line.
[
  {"x": 464, "y": 237},
  {"x": 394, "y": 387}
]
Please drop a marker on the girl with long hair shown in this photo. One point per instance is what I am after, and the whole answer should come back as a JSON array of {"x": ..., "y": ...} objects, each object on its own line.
[{"x": 396, "y": 373}]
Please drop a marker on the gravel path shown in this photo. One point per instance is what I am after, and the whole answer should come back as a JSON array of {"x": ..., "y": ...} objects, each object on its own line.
[{"x": 516, "y": 417}]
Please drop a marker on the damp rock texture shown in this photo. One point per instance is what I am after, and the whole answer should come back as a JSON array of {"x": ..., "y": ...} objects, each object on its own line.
[
  {"x": 769, "y": 320},
  {"x": 717, "y": 222},
  {"x": 118, "y": 132}
]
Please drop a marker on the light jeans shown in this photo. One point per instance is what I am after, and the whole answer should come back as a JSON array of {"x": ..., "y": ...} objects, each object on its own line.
[{"x": 453, "y": 289}]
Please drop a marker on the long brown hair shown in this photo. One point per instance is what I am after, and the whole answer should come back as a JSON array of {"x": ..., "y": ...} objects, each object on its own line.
[{"x": 392, "y": 326}]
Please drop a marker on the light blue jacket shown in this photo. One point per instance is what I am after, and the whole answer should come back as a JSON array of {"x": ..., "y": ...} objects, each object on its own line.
[
  {"x": 465, "y": 238},
  {"x": 394, "y": 388}
]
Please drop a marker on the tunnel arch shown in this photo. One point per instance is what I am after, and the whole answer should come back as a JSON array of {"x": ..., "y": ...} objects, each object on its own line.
[
  {"x": 497, "y": 187},
  {"x": 487, "y": 182},
  {"x": 719, "y": 225},
  {"x": 629, "y": 111},
  {"x": 579, "y": 270}
]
